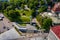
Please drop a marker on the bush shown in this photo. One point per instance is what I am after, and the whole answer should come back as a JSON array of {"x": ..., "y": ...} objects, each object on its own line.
[
  {"x": 45, "y": 22},
  {"x": 25, "y": 19}
]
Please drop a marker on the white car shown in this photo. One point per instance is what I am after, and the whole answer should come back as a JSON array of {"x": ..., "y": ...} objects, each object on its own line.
[
  {"x": 1, "y": 15},
  {"x": 1, "y": 18}
]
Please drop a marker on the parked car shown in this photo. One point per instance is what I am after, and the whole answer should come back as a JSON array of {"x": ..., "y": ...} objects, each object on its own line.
[
  {"x": 1, "y": 18},
  {"x": 1, "y": 15}
]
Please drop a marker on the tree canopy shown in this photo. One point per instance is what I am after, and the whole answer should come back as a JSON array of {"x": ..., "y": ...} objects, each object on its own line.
[
  {"x": 45, "y": 22},
  {"x": 13, "y": 15}
]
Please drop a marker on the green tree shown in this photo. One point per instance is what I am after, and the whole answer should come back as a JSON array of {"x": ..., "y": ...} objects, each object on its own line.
[
  {"x": 58, "y": 0},
  {"x": 48, "y": 1},
  {"x": 9, "y": 8},
  {"x": 40, "y": 19},
  {"x": 0, "y": 6},
  {"x": 22, "y": 6},
  {"x": 42, "y": 9},
  {"x": 42, "y": 2},
  {"x": 4, "y": 5},
  {"x": 33, "y": 13},
  {"x": 46, "y": 24},
  {"x": 13, "y": 15}
]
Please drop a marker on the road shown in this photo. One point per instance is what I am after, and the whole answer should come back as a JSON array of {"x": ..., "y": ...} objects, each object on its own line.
[
  {"x": 30, "y": 27},
  {"x": 5, "y": 25}
]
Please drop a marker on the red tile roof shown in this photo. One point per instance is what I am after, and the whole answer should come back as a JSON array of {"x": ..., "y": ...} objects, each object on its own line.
[
  {"x": 56, "y": 30},
  {"x": 56, "y": 7}
]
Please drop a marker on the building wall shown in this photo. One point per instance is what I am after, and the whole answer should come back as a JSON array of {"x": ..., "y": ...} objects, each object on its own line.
[{"x": 52, "y": 36}]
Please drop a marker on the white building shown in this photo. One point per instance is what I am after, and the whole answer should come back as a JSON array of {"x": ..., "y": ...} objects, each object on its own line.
[{"x": 12, "y": 34}]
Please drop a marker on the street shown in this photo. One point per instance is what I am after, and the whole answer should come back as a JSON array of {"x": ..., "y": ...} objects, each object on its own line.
[{"x": 5, "y": 25}]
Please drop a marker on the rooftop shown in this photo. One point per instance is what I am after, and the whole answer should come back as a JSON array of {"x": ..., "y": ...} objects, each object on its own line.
[
  {"x": 56, "y": 30},
  {"x": 56, "y": 7},
  {"x": 13, "y": 34}
]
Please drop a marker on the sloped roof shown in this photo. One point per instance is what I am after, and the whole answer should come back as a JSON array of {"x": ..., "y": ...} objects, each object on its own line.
[
  {"x": 11, "y": 34},
  {"x": 56, "y": 7},
  {"x": 56, "y": 30}
]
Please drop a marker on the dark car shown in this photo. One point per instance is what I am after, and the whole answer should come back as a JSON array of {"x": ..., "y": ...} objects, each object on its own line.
[{"x": 23, "y": 30}]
